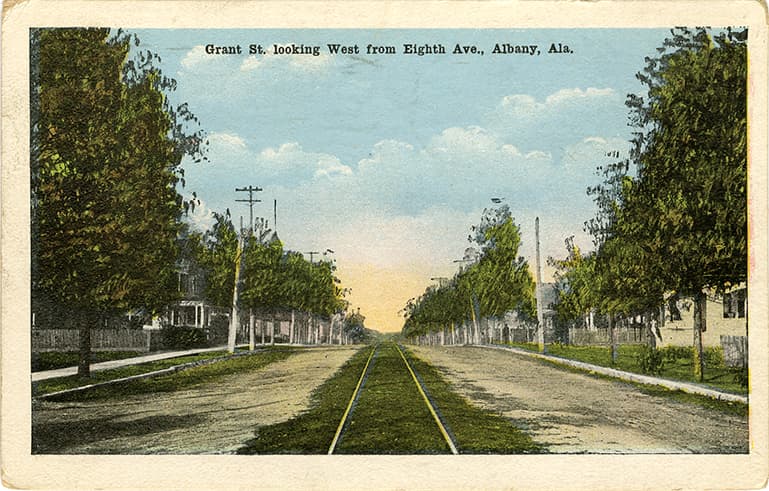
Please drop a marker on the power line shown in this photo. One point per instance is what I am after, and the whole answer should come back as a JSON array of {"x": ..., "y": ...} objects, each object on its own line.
[{"x": 251, "y": 190}]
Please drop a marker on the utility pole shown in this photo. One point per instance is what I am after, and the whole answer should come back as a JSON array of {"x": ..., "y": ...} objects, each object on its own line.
[
  {"x": 540, "y": 316},
  {"x": 234, "y": 316},
  {"x": 312, "y": 255},
  {"x": 251, "y": 190}
]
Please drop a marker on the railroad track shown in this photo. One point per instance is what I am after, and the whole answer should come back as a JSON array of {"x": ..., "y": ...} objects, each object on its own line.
[{"x": 345, "y": 429}]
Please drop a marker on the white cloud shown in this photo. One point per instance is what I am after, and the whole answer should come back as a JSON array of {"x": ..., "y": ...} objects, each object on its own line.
[
  {"x": 299, "y": 62},
  {"x": 566, "y": 95},
  {"x": 330, "y": 166},
  {"x": 201, "y": 217},
  {"x": 195, "y": 56},
  {"x": 227, "y": 140},
  {"x": 523, "y": 105},
  {"x": 250, "y": 63},
  {"x": 471, "y": 139},
  {"x": 538, "y": 155},
  {"x": 284, "y": 153},
  {"x": 593, "y": 151}
]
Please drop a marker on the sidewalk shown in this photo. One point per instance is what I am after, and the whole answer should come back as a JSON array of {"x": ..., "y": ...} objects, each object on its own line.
[
  {"x": 629, "y": 376},
  {"x": 106, "y": 365}
]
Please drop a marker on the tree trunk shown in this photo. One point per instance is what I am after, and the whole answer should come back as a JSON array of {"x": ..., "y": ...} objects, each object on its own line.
[
  {"x": 234, "y": 319},
  {"x": 272, "y": 331},
  {"x": 261, "y": 329},
  {"x": 84, "y": 344},
  {"x": 700, "y": 300},
  {"x": 291, "y": 329},
  {"x": 251, "y": 334},
  {"x": 613, "y": 339}
]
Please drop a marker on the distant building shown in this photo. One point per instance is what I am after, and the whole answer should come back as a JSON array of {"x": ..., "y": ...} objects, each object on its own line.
[
  {"x": 724, "y": 315},
  {"x": 192, "y": 310}
]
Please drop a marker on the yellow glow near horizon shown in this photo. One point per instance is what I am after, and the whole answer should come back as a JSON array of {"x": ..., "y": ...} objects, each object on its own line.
[{"x": 382, "y": 292}]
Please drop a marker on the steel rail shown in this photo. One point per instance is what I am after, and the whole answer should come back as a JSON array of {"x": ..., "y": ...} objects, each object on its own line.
[
  {"x": 429, "y": 405},
  {"x": 349, "y": 405}
]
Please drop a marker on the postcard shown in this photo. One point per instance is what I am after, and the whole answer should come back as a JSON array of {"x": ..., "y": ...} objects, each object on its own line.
[{"x": 384, "y": 245}]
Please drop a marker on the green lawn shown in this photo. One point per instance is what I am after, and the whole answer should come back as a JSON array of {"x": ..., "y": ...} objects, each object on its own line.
[
  {"x": 164, "y": 383},
  {"x": 677, "y": 363},
  {"x": 54, "y": 360},
  {"x": 390, "y": 416}
]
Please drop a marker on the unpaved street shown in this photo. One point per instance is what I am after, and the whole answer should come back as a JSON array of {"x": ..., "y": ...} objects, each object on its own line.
[
  {"x": 575, "y": 413},
  {"x": 213, "y": 418}
]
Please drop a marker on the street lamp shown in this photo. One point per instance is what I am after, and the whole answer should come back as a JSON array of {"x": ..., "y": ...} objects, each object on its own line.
[{"x": 442, "y": 280}]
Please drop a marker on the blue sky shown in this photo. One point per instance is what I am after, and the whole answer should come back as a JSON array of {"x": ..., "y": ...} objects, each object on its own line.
[{"x": 389, "y": 159}]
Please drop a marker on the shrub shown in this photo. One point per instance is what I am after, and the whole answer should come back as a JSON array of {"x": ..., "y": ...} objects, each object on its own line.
[
  {"x": 714, "y": 357},
  {"x": 740, "y": 375},
  {"x": 671, "y": 354},
  {"x": 650, "y": 360},
  {"x": 179, "y": 337},
  {"x": 218, "y": 330}
]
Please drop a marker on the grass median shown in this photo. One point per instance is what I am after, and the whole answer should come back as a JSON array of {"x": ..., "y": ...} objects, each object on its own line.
[
  {"x": 390, "y": 416},
  {"x": 162, "y": 383}
]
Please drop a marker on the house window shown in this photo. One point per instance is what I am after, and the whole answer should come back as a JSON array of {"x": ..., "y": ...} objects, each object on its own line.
[{"x": 735, "y": 304}]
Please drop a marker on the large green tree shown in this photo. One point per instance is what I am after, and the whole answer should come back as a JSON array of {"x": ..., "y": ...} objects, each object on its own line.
[
  {"x": 688, "y": 205},
  {"x": 106, "y": 154}
]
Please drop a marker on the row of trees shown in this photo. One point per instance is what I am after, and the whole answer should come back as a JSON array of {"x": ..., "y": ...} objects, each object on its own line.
[
  {"x": 494, "y": 280},
  {"x": 107, "y": 215},
  {"x": 672, "y": 217},
  {"x": 271, "y": 280}
]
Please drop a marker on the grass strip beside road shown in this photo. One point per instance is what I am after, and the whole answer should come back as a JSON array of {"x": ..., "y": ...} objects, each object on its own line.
[
  {"x": 162, "y": 383},
  {"x": 474, "y": 430},
  {"x": 681, "y": 369},
  {"x": 55, "y": 360},
  {"x": 312, "y": 431},
  {"x": 727, "y": 407}
]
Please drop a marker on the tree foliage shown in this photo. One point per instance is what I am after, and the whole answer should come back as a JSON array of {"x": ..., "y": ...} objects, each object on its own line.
[
  {"x": 106, "y": 150},
  {"x": 673, "y": 217},
  {"x": 272, "y": 278},
  {"x": 495, "y": 282}
]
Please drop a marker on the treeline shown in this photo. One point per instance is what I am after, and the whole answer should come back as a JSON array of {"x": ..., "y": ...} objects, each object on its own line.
[
  {"x": 106, "y": 151},
  {"x": 672, "y": 216},
  {"x": 493, "y": 281},
  {"x": 271, "y": 281}
]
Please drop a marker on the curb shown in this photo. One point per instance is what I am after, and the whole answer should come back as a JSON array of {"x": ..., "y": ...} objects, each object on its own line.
[
  {"x": 164, "y": 371},
  {"x": 628, "y": 376}
]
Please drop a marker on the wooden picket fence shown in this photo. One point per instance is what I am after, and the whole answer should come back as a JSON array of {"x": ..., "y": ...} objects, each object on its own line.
[
  {"x": 101, "y": 340},
  {"x": 600, "y": 337},
  {"x": 735, "y": 350}
]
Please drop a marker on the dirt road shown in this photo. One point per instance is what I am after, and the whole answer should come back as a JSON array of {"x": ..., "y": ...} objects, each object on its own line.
[
  {"x": 575, "y": 413},
  {"x": 210, "y": 419}
]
